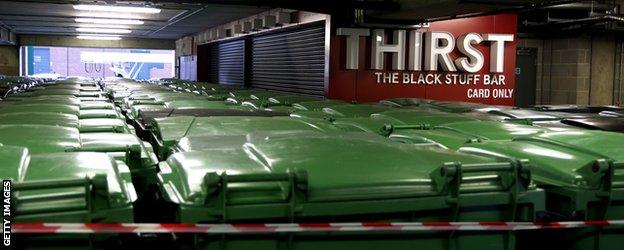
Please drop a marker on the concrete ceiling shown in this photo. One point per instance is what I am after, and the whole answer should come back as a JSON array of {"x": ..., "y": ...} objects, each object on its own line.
[
  {"x": 175, "y": 20},
  {"x": 181, "y": 18}
]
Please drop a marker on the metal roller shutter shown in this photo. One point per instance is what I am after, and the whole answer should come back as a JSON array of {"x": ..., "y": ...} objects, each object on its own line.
[
  {"x": 226, "y": 62},
  {"x": 232, "y": 62},
  {"x": 213, "y": 63},
  {"x": 290, "y": 60}
]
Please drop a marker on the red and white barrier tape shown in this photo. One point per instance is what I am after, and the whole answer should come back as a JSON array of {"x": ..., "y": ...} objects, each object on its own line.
[{"x": 89, "y": 228}]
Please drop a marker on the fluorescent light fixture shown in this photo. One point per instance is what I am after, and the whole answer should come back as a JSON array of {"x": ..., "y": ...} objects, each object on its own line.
[
  {"x": 111, "y": 57},
  {"x": 92, "y": 37},
  {"x": 124, "y": 9},
  {"x": 107, "y": 15},
  {"x": 105, "y": 26},
  {"x": 109, "y": 21},
  {"x": 105, "y": 31}
]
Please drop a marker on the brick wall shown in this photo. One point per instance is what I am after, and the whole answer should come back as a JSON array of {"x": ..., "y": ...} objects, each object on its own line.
[
  {"x": 618, "y": 88},
  {"x": 576, "y": 70},
  {"x": 9, "y": 61}
]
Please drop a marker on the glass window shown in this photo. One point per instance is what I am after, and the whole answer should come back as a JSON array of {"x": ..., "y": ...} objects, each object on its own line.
[{"x": 98, "y": 62}]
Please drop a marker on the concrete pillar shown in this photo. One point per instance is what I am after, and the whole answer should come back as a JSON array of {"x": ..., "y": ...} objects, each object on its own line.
[
  {"x": 9, "y": 60},
  {"x": 602, "y": 70}
]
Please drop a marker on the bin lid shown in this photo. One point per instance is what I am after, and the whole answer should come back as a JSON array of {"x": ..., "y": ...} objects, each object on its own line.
[
  {"x": 136, "y": 109},
  {"x": 84, "y": 105},
  {"x": 405, "y": 102},
  {"x": 41, "y": 107},
  {"x": 99, "y": 113},
  {"x": 317, "y": 105},
  {"x": 569, "y": 108},
  {"x": 607, "y": 144},
  {"x": 41, "y": 92},
  {"x": 171, "y": 129},
  {"x": 63, "y": 86},
  {"x": 361, "y": 124},
  {"x": 146, "y": 117},
  {"x": 40, "y": 138},
  {"x": 355, "y": 110},
  {"x": 39, "y": 118},
  {"x": 203, "y": 142},
  {"x": 196, "y": 103},
  {"x": 456, "y": 134},
  {"x": 289, "y": 100},
  {"x": 492, "y": 130},
  {"x": 418, "y": 116},
  {"x": 614, "y": 124},
  {"x": 253, "y": 104},
  {"x": 73, "y": 87},
  {"x": 65, "y": 100},
  {"x": 283, "y": 109},
  {"x": 246, "y": 93},
  {"x": 264, "y": 95},
  {"x": 80, "y": 164},
  {"x": 13, "y": 158},
  {"x": 108, "y": 142},
  {"x": 339, "y": 167},
  {"x": 111, "y": 181},
  {"x": 534, "y": 115},
  {"x": 216, "y": 96},
  {"x": 102, "y": 125},
  {"x": 552, "y": 163},
  {"x": 455, "y": 107},
  {"x": 62, "y": 99}
]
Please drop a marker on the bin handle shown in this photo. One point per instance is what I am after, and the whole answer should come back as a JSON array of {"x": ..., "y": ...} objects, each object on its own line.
[
  {"x": 617, "y": 166},
  {"x": 387, "y": 129},
  {"x": 448, "y": 179},
  {"x": 94, "y": 188},
  {"x": 607, "y": 169},
  {"x": 217, "y": 187},
  {"x": 449, "y": 174}
]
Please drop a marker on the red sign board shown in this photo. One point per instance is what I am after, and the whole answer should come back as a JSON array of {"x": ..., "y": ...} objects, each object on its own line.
[{"x": 485, "y": 76}]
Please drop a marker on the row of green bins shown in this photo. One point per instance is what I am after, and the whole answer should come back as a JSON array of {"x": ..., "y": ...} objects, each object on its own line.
[
  {"x": 53, "y": 138},
  {"x": 580, "y": 170},
  {"x": 62, "y": 97},
  {"x": 583, "y": 174},
  {"x": 56, "y": 123},
  {"x": 270, "y": 164},
  {"x": 551, "y": 116},
  {"x": 300, "y": 177},
  {"x": 144, "y": 102},
  {"x": 79, "y": 187},
  {"x": 10, "y": 84},
  {"x": 63, "y": 110}
]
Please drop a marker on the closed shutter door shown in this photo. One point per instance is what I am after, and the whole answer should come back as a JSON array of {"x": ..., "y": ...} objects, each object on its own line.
[
  {"x": 232, "y": 62},
  {"x": 290, "y": 60},
  {"x": 213, "y": 63}
]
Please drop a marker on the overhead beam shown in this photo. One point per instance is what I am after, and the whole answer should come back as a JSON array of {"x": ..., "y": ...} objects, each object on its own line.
[
  {"x": 319, "y": 6},
  {"x": 72, "y": 41}
]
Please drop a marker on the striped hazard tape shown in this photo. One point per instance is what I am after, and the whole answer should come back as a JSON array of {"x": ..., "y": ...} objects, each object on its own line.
[{"x": 89, "y": 228}]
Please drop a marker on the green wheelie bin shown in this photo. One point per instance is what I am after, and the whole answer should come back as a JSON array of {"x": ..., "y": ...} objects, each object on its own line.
[
  {"x": 348, "y": 177},
  {"x": 67, "y": 188}
]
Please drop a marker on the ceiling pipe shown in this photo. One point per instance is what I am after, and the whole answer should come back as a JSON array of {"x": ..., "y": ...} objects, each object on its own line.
[
  {"x": 177, "y": 20},
  {"x": 605, "y": 19},
  {"x": 582, "y": 6}
]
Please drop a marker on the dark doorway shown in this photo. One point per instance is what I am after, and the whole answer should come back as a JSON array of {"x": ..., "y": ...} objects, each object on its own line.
[{"x": 526, "y": 76}]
